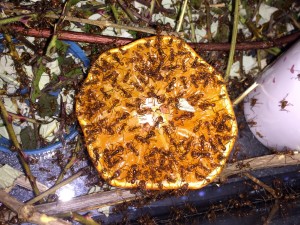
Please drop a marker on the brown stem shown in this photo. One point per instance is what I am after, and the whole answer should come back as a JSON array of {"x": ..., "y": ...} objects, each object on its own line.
[
  {"x": 100, "y": 39},
  {"x": 272, "y": 213},
  {"x": 53, "y": 189},
  {"x": 28, "y": 212},
  {"x": 262, "y": 184},
  {"x": 72, "y": 160},
  {"x": 88, "y": 202},
  {"x": 208, "y": 21},
  {"x": 18, "y": 148},
  {"x": 127, "y": 11},
  {"x": 83, "y": 219},
  {"x": 133, "y": 12}
]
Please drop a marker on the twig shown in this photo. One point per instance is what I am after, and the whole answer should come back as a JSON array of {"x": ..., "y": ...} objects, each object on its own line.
[
  {"x": 16, "y": 58},
  {"x": 274, "y": 210},
  {"x": 101, "y": 39},
  {"x": 208, "y": 21},
  {"x": 262, "y": 184},
  {"x": 28, "y": 212},
  {"x": 158, "y": 7},
  {"x": 9, "y": 127},
  {"x": 245, "y": 93},
  {"x": 233, "y": 39},
  {"x": 88, "y": 202},
  {"x": 53, "y": 189},
  {"x": 83, "y": 219},
  {"x": 133, "y": 12},
  {"x": 262, "y": 162},
  {"x": 52, "y": 44},
  {"x": 152, "y": 7},
  {"x": 17, "y": 18},
  {"x": 109, "y": 24},
  {"x": 116, "y": 15},
  {"x": 101, "y": 199},
  {"x": 70, "y": 162},
  {"x": 20, "y": 117},
  {"x": 18, "y": 148},
  {"x": 193, "y": 37},
  {"x": 127, "y": 11},
  {"x": 181, "y": 16}
]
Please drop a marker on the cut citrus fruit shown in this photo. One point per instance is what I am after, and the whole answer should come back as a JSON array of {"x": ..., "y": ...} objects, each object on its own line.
[{"x": 155, "y": 115}]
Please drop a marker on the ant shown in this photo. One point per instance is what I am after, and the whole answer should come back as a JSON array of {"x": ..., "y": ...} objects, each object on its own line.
[
  {"x": 105, "y": 95},
  {"x": 252, "y": 123},
  {"x": 113, "y": 105},
  {"x": 194, "y": 80},
  {"x": 183, "y": 80},
  {"x": 284, "y": 103},
  {"x": 171, "y": 85},
  {"x": 124, "y": 92},
  {"x": 259, "y": 134},
  {"x": 253, "y": 102},
  {"x": 130, "y": 146},
  {"x": 137, "y": 86},
  {"x": 158, "y": 121},
  {"x": 126, "y": 77},
  {"x": 297, "y": 77}
]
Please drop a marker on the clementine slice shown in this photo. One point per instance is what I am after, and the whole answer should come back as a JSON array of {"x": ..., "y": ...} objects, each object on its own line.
[{"x": 155, "y": 115}]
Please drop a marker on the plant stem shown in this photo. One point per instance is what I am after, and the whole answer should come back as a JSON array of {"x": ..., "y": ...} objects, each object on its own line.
[
  {"x": 54, "y": 188},
  {"x": 28, "y": 212},
  {"x": 71, "y": 161},
  {"x": 152, "y": 7},
  {"x": 262, "y": 184},
  {"x": 8, "y": 20},
  {"x": 9, "y": 127},
  {"x": 193, "y": 37},
  {"x": 109, "y": 24},
  {"x": 18, "y": 148},
  {"x": 16, "y": 58},
  {"x": 245, "y": 93},
  {"x": 19, "y": 117},
  {"x": 208, "y": 21},
  {"x": 83, "y": 220},
  {"x": 181, "y": 16},
  {"x": 100, "y": 39},
  {"x": 233, "y": 39},
  {"x": 116, "y": 16},
  {"x": 127, "y": 11}
]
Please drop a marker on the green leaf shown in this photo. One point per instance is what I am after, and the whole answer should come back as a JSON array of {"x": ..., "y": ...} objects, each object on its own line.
[
  {"x": 28, "y": 138},
  {"x": 196, "y": 4},
  {"x": 38, "y": 71},
  {"x": 61, "y": 47},
  {"x": 47, "y": 105},
  {"x": 74, "y": 72}
]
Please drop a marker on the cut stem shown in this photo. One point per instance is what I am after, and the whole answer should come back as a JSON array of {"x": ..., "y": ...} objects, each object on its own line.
[
  {"x": 262, "y": 184},
  {"x": 70, "y": 163},
  {"x": 83, "y": 219},
  {"x": 245, "y": 93},
  {"x": 53, "y": 189},
  {"x": 181, "y": 16},
  {"x": 233, "y": 39}
]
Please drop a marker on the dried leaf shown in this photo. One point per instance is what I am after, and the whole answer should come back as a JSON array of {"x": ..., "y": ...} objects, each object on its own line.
[{"x": 8, "y": 176}]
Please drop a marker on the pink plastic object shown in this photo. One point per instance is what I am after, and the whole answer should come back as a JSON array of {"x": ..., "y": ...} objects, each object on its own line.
[{"x": 272, "y": 109}]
